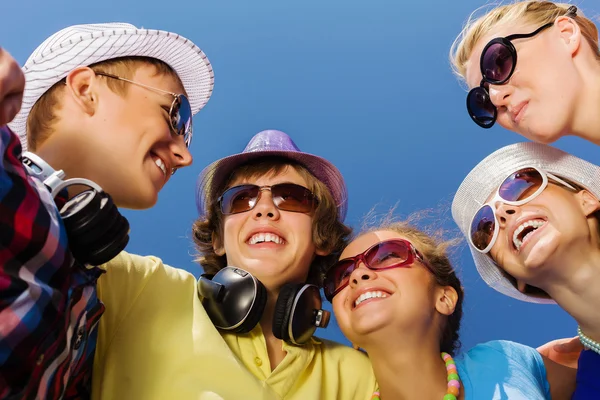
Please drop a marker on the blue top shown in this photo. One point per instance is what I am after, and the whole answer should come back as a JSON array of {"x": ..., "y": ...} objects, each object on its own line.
[
  {"x": 588, "y": 376},
  {"x": 502, "y": 370}
]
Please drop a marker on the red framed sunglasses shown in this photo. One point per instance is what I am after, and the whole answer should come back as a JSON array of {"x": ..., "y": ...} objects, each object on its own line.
[{"x": 388, "y": 254}]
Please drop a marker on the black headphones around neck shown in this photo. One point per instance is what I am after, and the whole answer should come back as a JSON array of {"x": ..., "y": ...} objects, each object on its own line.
[
  {"x": 235, "y": 300},
  {"x": 96, "y": 230}
]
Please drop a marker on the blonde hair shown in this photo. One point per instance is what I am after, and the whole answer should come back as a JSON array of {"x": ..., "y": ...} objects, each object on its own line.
[
  {"x": 42, "y": 117},
  {"x": 531, "y": 12}
]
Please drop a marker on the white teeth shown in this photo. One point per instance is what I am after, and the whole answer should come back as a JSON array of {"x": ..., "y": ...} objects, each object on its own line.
[
  {"x": 534, "y": 223},
  {"x": 161, "y": 165},
  {"x": 369, "y": 295},
  {"x": 265, "y": 237}
]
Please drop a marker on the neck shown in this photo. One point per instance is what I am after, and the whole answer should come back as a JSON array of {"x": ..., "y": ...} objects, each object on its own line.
[
  {"x": 586, "y": 123},
  {"x": 61, "y": 160},
  {"x": 575, "y": 289},
  {"x": 404, "y": 371},
  {"x": 274, "y": 345}
]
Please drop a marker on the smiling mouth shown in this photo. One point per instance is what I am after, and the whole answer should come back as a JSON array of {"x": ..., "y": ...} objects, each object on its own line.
[
  {"x": 159, "y": 163},
  {"x": 264, "y": 237},
  {"x": 525, "y": 230},
  {"x": 375, "y": 294}
]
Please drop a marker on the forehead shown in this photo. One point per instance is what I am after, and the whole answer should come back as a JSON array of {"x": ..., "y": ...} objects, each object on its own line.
[
  {"x": 363, "y": 242},
  {"x": 473, "y": 71},
  {"x": 288, "y": 174}
]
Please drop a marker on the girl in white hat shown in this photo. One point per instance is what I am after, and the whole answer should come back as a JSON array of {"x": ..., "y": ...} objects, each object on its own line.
[{"x": 530, "y": 214}]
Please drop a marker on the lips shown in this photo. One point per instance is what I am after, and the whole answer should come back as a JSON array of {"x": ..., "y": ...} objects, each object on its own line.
[
  {"x": 161, "y": 164},
  {"x": 524, "y": 229},
  {"x": 364, "y": 295},
  {"x": 518, "y": 111},
  {"x": 265, "y": 235}
]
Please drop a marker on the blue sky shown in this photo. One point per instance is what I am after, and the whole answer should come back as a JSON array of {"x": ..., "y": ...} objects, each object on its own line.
[{"x": 366, "y": 85}]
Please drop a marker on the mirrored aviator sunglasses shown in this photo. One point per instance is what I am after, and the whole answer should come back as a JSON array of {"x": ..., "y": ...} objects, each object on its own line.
[
  {"x": 286, "y": 197},
  {"x": 181, "y": 118},
  {"x": 517, "y": 189},
  {"x": 388, "y": 254}
]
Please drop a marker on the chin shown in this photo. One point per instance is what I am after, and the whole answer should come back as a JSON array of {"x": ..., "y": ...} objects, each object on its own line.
[
  {"x": 546, "y": 133},
  {"x": 135, "y": 201}
]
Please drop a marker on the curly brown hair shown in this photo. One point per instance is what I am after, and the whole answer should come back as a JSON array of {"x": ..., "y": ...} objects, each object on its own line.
[
  {"x": 328, "y": 232},
  {"x": 435, "y": 250}
]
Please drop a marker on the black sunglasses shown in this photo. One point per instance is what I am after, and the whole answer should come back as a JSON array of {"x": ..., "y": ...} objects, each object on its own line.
[{"x": 497, "y": 64}]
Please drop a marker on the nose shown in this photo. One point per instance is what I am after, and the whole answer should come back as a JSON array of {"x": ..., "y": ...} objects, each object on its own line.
[
  {"x": 265, "y": 207},
  {"x": 361, "y": 273},
  {"x": 504, "y": 212},
  {"x": 500, "y": 94},
  {"x": 181, "y": 156}
]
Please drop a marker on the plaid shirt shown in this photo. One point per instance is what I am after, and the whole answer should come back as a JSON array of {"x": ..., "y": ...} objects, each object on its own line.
[{"x": 49, "y": 310}]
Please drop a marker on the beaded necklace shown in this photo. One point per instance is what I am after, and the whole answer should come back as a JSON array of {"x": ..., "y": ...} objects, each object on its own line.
[
  {"x": 453, "y": 380},
  {"x": 587, "y": 341}
]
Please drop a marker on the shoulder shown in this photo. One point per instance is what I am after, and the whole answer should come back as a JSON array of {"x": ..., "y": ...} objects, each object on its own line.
[
  {"x": 503, "y": 349},
  {"x": 143, "y": 265},
  {"x": 337, "y": 352},
  {"x": 136, "y": 272},
  {"x": 504, "y": 366}
]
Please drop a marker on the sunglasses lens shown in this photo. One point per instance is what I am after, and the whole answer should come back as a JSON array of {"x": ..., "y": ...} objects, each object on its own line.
[
  {"x": 239, "y": 199},
  {"x": 497, "y": 63},
  {"x": 387, "y": 255},
  {"x": 337, "y": 277},
  {"x": 482, "y": 227},
  {"x": 181, "y": 118},
  {"x": 291, "y": 197},
  {"x": 521, "y": 185},
  {"x": 480, "y": 107}
]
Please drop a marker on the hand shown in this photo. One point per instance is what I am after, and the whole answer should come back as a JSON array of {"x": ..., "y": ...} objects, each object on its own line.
[
  {"x": 563, "y": 351},
  {"x": 12, "y": 84}
]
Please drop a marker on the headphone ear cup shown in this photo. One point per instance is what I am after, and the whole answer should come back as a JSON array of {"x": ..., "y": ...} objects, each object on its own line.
[
  {"x": 284, "y": 310},
  {"x": 96, "y": 229},
  {"x": 256, "y": 312}
]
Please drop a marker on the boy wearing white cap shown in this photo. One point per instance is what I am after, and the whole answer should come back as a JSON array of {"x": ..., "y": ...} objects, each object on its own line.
[{"x": 109, "y": 103}]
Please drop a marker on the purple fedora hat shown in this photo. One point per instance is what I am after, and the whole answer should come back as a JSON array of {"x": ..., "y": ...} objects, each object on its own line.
[{"x": 270, "y": 143}]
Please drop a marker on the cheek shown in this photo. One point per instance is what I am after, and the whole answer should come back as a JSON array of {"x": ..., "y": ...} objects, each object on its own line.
[
  {"x": 231, "y": 228},
  {"x": 342, "y": 314}
]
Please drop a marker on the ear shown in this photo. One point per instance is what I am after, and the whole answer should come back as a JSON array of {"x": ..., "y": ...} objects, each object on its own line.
[
  {"x": 589, "y": 203},
  {"x": 81, "y": 87},
  {"x": 217, "y": 245},
  {"x": 446, "y": 300},
  {"x": 569, "y": 32}
]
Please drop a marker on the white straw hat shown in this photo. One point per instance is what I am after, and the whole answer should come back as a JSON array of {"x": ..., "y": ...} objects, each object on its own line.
[
  {"x": 489, "y": 174},
  {"x": 83, "y": 45}
]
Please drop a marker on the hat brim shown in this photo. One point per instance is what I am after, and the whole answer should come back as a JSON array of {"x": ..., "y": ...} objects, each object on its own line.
[
  {"x": 49, "y": 67},
  {"x": 489, "y": 174},
  {"x": 213, "y": 177}
]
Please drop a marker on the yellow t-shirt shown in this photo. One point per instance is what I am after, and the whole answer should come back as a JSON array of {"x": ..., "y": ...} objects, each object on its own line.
[{"x": 155, "y": 341}]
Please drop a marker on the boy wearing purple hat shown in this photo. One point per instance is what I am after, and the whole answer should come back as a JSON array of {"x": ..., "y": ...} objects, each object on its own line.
[
  {"x": 107, "y": 103},
  {"x": 270, "y": 219}
]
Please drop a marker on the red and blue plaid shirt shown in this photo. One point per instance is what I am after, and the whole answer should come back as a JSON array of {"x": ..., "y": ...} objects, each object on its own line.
[{"x": 49, "y": 310}]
